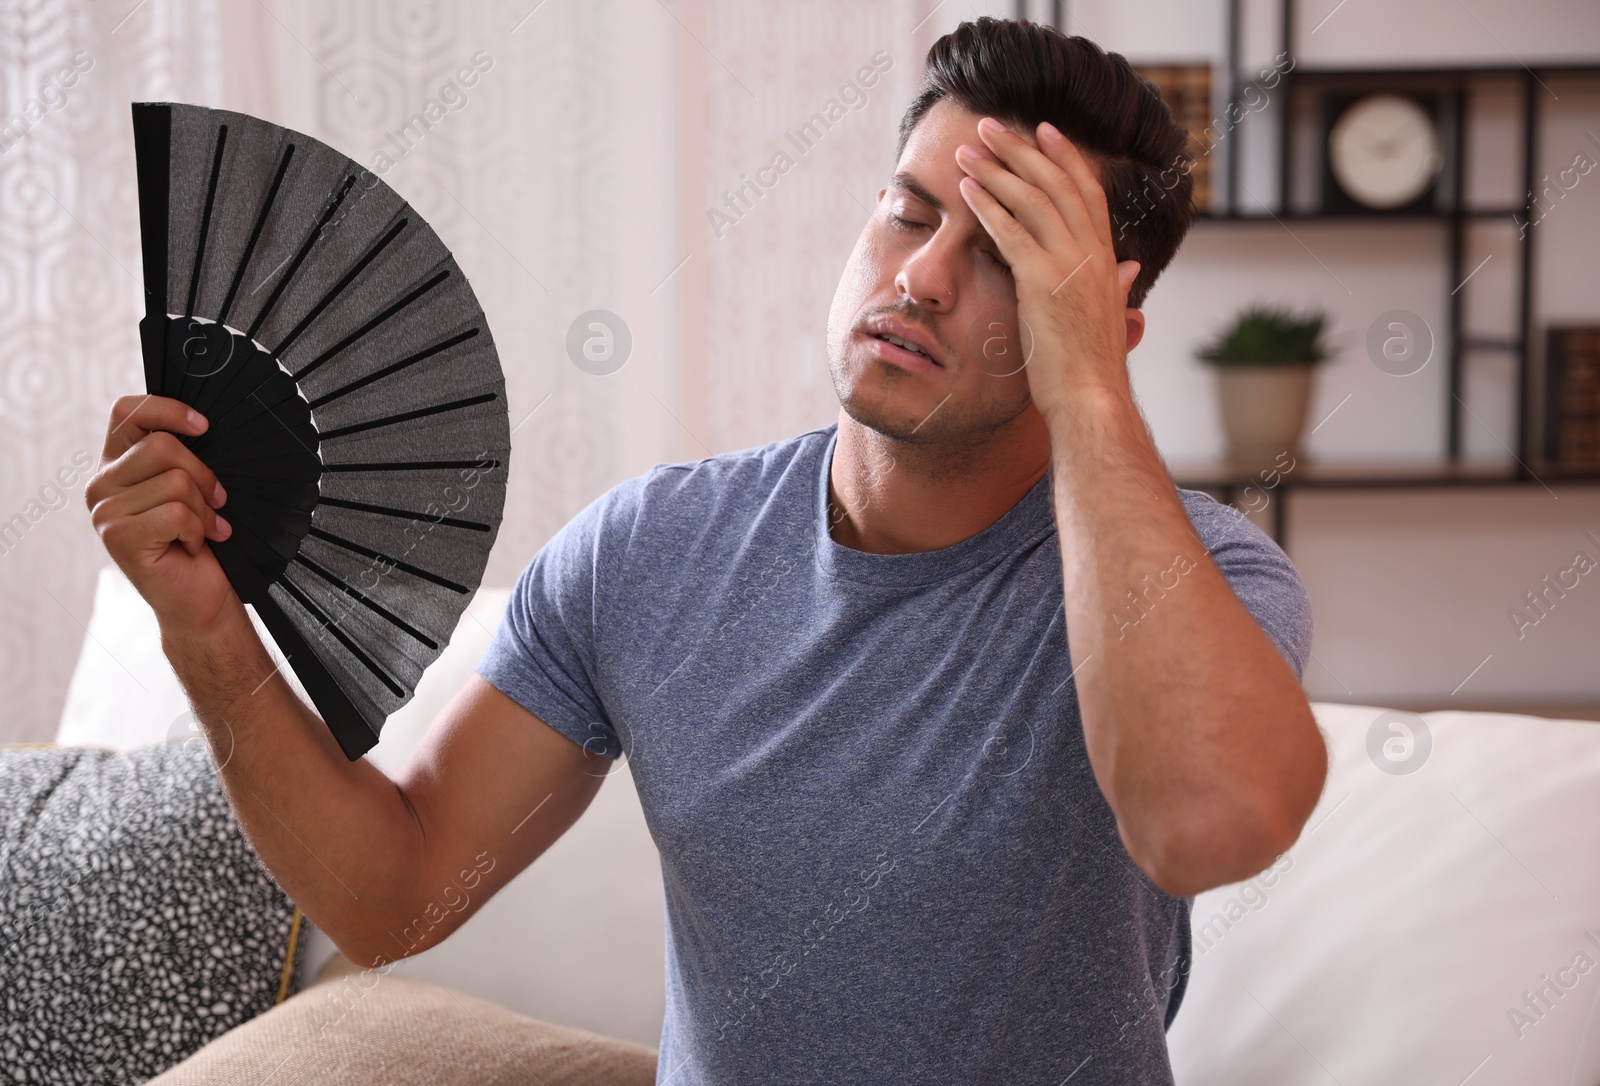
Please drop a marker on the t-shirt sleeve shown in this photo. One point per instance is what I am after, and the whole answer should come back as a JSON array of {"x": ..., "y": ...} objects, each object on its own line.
[
  {"x": 1259, "y": 573},
  {"x": 544, "y": 655}
]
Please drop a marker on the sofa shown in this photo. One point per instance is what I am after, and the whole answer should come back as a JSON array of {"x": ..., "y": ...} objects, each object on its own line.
[{"x": 1437, "y": 922}]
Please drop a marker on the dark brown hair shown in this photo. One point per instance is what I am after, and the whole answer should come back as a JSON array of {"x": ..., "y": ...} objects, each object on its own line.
[{"x": 1022, "y": 73}]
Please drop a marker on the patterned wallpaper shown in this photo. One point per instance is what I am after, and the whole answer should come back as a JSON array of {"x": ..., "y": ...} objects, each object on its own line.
[
  {"x": 591, "y": 164},
  {"x": 774, "y": 198},
  {"x": 69, "y": 303}
]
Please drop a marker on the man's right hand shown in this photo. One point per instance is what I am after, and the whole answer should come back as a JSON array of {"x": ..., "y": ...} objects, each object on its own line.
[{"x": 154, "y": 504}]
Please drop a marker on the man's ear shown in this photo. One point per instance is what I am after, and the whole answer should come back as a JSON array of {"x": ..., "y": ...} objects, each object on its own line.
[{"x": 1135, "y": 321}]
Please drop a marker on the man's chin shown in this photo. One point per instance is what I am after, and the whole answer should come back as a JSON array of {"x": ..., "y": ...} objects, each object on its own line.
[
  {"x": 895, "y": 424},
  {"x": 939, "y": 422},
  {"x": 887, "y": 411}
]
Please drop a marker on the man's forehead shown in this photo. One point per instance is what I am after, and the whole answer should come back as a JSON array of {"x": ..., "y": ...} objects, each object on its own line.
[
  {"x": 932, "y": 146},
  {"x": 946, "y": 125},
  {"x": 936, "y": 136}
]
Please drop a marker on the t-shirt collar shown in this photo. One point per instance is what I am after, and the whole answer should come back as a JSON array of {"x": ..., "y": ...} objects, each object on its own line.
[{"x": 1022, "y": 525}]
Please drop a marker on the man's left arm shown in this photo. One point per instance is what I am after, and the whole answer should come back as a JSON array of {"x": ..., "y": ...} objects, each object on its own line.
[{"x": 1197, "y": 729}]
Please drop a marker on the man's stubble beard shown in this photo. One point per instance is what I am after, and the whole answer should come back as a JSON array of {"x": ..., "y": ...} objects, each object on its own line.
[{"x": 950, "y": 432}]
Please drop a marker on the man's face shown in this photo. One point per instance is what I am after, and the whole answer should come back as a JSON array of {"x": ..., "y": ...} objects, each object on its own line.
[{"x": 924, "y": 268}]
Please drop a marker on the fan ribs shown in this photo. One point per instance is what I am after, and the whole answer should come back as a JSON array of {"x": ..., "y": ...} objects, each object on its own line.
[
  {"x": 361, "y": 382},
  {"x": 376, "y": 607},
  {"x": 299, "y": 258},
  {"x": 368, "y": 552},
  {"x": 344, "y": 639},
  {"x": 255, "y": 233},
  {"x": 338, "y": 288},
  {"x": 414, "y": 465},
  {"x": 390, "y": 511},
  {"x": 396, "y": 307},
  {"x": 205, "y": 220},
  {"x": 388, "y": 420}
]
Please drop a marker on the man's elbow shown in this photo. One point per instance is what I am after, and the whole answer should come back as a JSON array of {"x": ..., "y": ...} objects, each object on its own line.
[
  {"x": 1201, "y": 850},
  {"x": 376, "y": 944},
  {"x": 1191, "y": 862},
  {"x": 366, "y": 952}
]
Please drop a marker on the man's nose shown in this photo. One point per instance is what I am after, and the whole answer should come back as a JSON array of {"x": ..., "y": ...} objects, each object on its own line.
[{"x": 926, "y": 278}]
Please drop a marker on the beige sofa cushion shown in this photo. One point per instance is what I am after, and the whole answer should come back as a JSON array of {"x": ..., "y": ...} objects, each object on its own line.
[{"x": 366, "y": 1027}]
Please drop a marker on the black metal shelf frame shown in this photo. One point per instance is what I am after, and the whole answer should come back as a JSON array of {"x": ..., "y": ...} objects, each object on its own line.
[{"x": 1455, "y": 82}]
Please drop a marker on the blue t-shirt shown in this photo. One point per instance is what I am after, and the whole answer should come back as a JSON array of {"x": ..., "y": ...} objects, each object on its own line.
[{"x": 885, "y": 856}]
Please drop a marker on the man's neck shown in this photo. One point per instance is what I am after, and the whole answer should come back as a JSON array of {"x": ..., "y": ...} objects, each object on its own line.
[{"x": 891, "y": 497}]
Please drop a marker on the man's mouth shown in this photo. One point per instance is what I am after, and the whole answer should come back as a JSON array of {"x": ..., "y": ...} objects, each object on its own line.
[{"x": 905, "y": 344}]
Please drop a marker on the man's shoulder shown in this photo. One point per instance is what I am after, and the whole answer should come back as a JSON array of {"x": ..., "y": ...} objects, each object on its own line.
[
  {"x": 773, "y": 458},
  {"x": 1258, "y": 571},
  {"x": 1219, "y": 523},
  {"x": 1229, "y": 534},
  {"x": 719, "y": 488},
  {"x": 744, "y": 475},
  {"x": 1198, "y": 501}
]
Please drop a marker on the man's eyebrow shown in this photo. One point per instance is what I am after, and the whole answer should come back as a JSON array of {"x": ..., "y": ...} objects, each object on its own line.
[{"x": 918, "y": 189}]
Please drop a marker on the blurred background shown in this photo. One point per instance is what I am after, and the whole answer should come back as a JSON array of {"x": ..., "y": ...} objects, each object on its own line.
[{"x": 1446, "y": 464}]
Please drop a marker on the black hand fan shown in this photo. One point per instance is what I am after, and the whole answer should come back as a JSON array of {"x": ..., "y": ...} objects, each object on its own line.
[{"x": 357, "y": 409}]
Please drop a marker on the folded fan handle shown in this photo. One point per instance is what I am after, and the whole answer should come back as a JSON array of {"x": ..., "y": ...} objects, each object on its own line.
[
  {"x": 336, "y": 709},
  {"x": 153, "y": 345},
  {"x": 152, "y": 148}
]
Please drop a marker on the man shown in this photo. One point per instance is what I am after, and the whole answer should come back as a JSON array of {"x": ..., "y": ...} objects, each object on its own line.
[{"x": 938, "y": 715}]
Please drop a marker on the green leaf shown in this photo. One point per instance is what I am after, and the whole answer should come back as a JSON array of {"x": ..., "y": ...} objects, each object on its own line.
[{"x": 1265, "y": 334}]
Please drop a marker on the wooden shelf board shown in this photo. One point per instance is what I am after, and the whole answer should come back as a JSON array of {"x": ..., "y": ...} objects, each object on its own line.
[
  {"x": 1366, "y": 217},
  {"x": 1376, "y": 474}
]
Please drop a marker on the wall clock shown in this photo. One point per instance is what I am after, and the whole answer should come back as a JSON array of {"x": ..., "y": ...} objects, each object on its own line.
[{"x": 1384, "y": 153}]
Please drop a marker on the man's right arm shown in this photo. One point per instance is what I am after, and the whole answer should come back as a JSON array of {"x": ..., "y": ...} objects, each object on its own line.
[{"x": 385, "y": 867}]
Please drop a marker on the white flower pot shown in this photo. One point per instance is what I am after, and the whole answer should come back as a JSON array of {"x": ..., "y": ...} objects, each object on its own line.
[{"x": 1263, "y": 410}]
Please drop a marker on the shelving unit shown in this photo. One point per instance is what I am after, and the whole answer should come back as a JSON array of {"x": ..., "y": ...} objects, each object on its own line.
[
  {"x": 1301, "y": 83},
  {"x": 1302, "y": 86}
]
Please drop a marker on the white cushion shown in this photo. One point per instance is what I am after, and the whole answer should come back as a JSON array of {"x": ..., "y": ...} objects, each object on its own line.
[
  {"x": 124, "y": 693},
  {"x": 1398, "y": 940},
  {"x": 520, "y": 949}
]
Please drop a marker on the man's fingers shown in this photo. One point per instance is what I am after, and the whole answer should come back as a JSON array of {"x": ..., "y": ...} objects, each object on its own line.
[
  {"x": 1029, "y": 205},
  {"x": 133, "y": 417},
  {"x": 173, "y": 485},
  {"x": 1065, "y": 154},
  {"x": 157, "y": 452},
  {"x": 153, "y": 531},
  {"x": 178, "y": 522},
  {"x": 1044, "y": 173},
  {"x": 1016, "y": 244}
]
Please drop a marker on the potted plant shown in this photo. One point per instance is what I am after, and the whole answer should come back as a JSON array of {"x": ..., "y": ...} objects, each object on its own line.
[{"x": 1264, "y": 362}]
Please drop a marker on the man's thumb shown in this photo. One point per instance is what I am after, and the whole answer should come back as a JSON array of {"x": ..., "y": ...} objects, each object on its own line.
[{"x": 1127, "y": 272}]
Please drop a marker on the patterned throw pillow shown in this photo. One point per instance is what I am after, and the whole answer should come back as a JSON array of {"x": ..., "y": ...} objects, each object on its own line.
[{"x": 136, "y": 924}]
